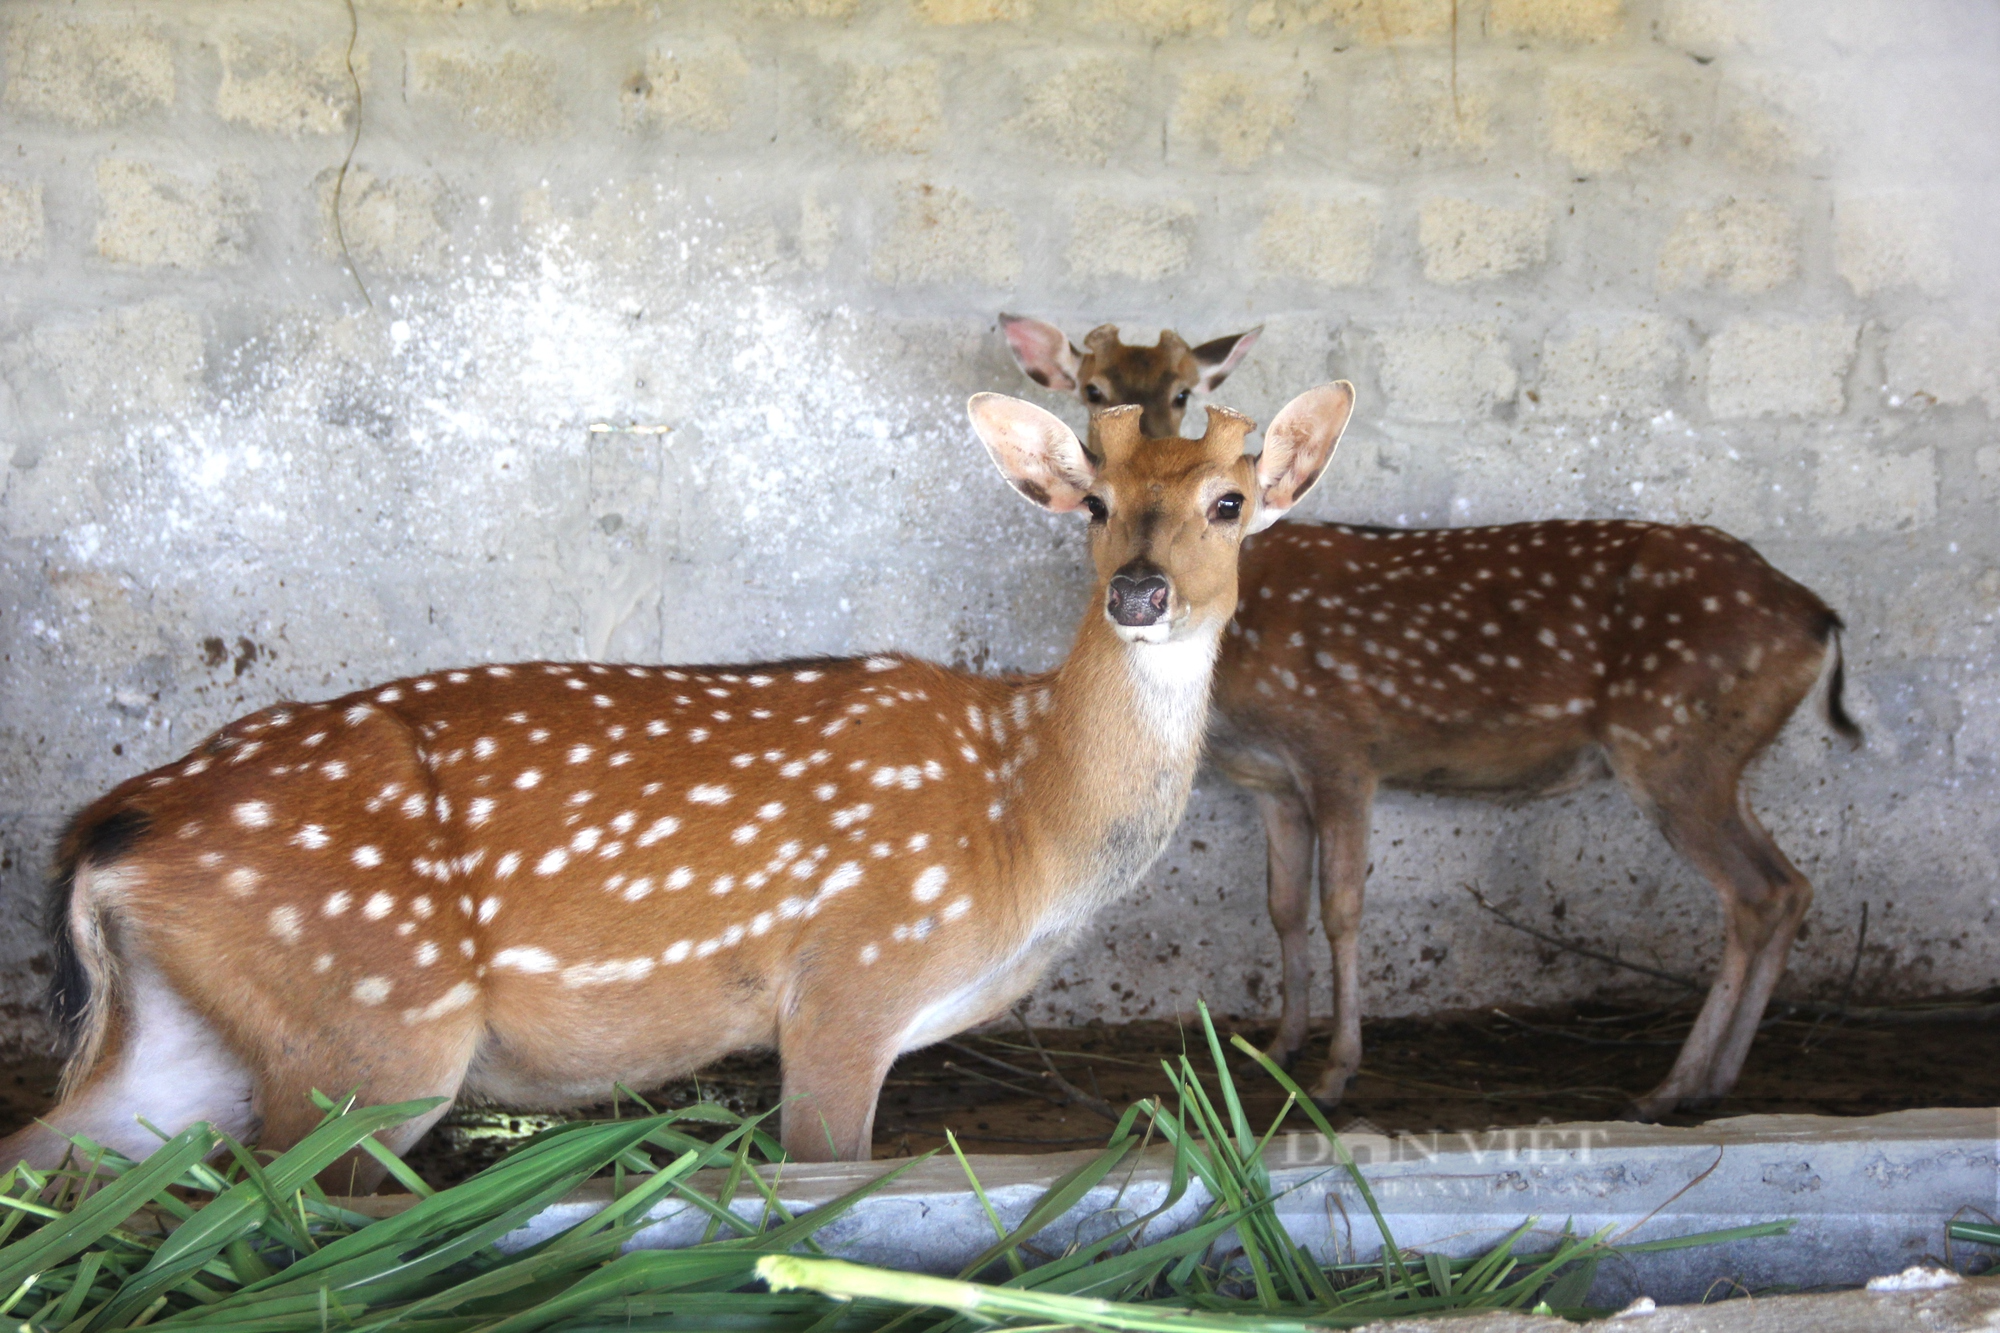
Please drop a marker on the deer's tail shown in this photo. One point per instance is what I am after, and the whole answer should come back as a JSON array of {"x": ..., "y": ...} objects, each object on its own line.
[
  {"x": 84, "y": 975},
  {"x": 1837, "y": 715}
]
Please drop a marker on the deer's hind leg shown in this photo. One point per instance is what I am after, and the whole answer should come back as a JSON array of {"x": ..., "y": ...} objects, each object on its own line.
[
  {"x": 378, "y": 1063},
  {"x": 1288, "y": 837},
  {"x": 1342, "y": 801},
  {"x": 1764, "y": 899}
]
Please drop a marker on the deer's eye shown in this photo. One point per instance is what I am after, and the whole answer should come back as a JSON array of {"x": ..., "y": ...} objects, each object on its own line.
[
  {"x": 1180, "y": 399},
  {"x": 1093, "y": 393},
  {"x": 1098, "y": 513},
  {"x": 1229, "y": 508}
]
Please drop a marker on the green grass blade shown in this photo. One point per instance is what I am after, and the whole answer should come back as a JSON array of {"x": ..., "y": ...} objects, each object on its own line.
[{"x": 106, "y": 1209}]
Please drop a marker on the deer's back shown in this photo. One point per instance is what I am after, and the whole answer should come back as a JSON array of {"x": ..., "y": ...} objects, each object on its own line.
[
  {"x": 572, "y": 852},
  {"x": 1500, "y": 658}
]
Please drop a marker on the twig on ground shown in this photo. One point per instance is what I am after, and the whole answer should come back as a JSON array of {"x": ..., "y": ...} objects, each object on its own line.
[
  {"x": 1095, "y": 1105},
  {"x": 1929, "y": 1013},
  {"x": 1847, "y": 988},
  {"x": 1578, "y": 1037},
  {"x": 1561, "y": 943},
  {"x": 1019, "y": 1091}
]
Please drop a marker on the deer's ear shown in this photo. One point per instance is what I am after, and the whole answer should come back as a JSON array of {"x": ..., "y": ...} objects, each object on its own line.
[
  {"x": 1038, "y": 455},
  {"x": 1043, "y": 352},
  {"x": 1297, "y": 448},
  {"x": 1219, "y": 357}
]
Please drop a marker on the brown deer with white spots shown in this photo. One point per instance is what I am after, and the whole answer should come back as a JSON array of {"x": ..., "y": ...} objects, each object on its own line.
[
  {"x": 1515, "y": 661},
  {"x": 1107, "y": 372},
  {"x": 532, "y": 882}
]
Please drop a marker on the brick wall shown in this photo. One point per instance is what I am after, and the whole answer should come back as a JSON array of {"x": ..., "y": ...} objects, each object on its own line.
[{"x": 1709, "y": 260}]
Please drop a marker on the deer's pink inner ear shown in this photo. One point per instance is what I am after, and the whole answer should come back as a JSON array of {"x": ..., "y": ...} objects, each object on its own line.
[
  {"x": 1042, "y": 351},
  {"x": 1038, "y": 455}
]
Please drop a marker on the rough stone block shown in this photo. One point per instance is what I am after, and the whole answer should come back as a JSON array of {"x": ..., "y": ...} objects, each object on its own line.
[
  {"x": 1144, "y": 242},
  {"x": 940, "y": 235},
  {"x": 155, "y": 218},
  {"x": 892, "y": 108},
  {"x": 21, "y": 223},
  {"x": 1708, "y": 28},
  {"x": 1931, "y": 359},
  {"x": 819, "y": 230},
  {"x": 512, "y": 94},
  {"x": 1445, "y": 372},
  {"x": 1596, "y": 371},
  {"x": 400, "y": 223},
  {"x": 1167, "y": 18},
  {"x": 1368, "y": 22},
  {"x": 569, "y": 6},
  {"x": 803, "y": 9},
  {"x": 1330, "y": 243},
  {"x": 1745, "y": 245},
  {"x": 1859, "y": 488},
  {"x": 143, "y": 358},
  {"x": 1556, "y": 20},
  {"x": 1407, "y": 117},
  {"x": 1893, "y": 240},
  {"x": 273, "y": 86},
  {"x": 1466, "y": 241},
  {"x": 1768, "y": 119},
  {"x": 1084, "y": 115},
  {"x": 1759, "y": 368},
  {"x": 86, "y": 74},
  {"x": 682, "y": 89},
  {"x": 1235, "y": 115},
  {"x": 1599, "y": 122},
  {"x": 954, "y": 12}
]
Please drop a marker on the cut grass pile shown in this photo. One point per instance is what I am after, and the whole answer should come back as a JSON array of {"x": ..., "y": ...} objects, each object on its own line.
[{"x": 207, "y": 1234}]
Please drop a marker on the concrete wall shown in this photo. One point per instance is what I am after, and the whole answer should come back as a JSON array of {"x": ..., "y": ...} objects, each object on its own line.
[{"x": 1711, "y": 260}]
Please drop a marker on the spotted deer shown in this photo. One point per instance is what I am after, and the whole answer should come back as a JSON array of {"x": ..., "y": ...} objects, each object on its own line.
[
  {"x": 1107, "y": 372},
  {"x": 1515, "y": 661},
  {"x": 532, "y": 882}
]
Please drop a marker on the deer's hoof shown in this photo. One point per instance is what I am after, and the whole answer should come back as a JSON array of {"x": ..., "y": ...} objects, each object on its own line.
[
  {"x": 1284, "y": 1057},
  {"x": 1330, "y": 1090}
]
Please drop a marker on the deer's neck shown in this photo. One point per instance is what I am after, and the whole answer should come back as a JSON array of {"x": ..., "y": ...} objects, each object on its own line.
[{"x": 1113, "y": 756}]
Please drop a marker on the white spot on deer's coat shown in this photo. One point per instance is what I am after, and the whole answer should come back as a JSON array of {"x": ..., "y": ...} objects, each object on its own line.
[
  {"x": 378, "y": 906},
  {"x": 456, "y": 998},
  {"x": 312, "y": 837},
  {"x": 709, "y": 793},
  {"x": 599, "y": 974},
  {"x": 957, "y": 908},
  {"x": 488, "y": 909},
  {"x": 427, "y": 953},
  {"x": 506, "y": 865},
  {"x": 677, "y": 951},
  {"x": 525, "y": 960},
  {"x": 241, "y": 881},
  {"x": 930, "y": 884},
  {"x": 371, "y": 990},
  {"x": 252, "y": 814},
  {"x": 285, "y": 924},
  {"x": 660, "y": 828},
  {"x": 552, "y": 860},
  {"x": 680, "y": 878},
  {"x": 528, "y": 778},
  {"x": 367, "y": 856},
  {"x": 869, "y": 953}
]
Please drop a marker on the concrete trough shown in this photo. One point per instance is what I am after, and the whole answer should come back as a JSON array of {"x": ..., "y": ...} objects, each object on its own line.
[{"x": 1870, "y": 1195}]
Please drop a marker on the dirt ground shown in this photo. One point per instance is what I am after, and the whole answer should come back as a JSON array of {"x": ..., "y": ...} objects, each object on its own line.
[{"x": 1471, "y": 1072}]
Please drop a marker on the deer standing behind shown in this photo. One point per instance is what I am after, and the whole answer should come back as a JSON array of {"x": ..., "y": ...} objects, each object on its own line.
[
  {"x": 1518, "y": 660},
  {"x": 532, "y": 882},
  {"x": 1107, "y": 372}
]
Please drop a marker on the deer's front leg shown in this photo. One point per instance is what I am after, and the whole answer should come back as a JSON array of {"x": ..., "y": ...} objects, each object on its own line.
[
  {"x": 834, "y": 1061},
  {"x": 1288, "y": 834},
  {"x": 1341, "y": 807}
]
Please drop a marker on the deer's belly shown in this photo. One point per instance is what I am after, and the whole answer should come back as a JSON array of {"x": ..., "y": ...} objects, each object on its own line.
[
  {"x": 1520, "y": 763},
  {"x": 545, "y": 1046}
]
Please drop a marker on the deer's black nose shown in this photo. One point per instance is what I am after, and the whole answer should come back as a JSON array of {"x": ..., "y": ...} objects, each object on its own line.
[{"x": 1137, "y": 600}]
